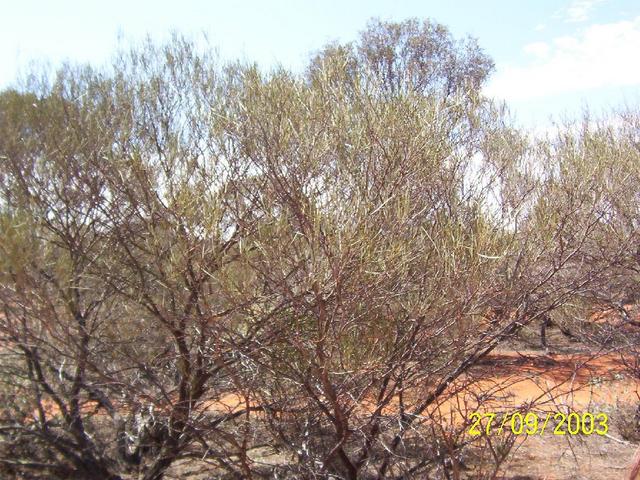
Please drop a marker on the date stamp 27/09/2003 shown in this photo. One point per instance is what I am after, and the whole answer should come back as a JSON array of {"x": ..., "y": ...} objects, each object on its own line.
[{"x": 531, "y": 423}]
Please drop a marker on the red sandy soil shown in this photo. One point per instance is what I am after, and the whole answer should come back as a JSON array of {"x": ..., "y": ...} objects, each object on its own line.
[
  {"x": 545, "y": 383},
  {"x": 576, "y": 381},
  {"x": 516, "y": 381},
  {"x": 563, "y": 383}
]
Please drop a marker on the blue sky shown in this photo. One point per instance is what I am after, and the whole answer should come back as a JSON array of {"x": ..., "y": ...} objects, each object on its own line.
[{"x": 553, "y": 58}]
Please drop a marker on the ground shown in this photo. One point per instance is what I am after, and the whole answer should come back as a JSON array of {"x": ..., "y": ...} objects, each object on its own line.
[
  {"x": 601, "y": 386},
  {"x": 582, "y": 381}
]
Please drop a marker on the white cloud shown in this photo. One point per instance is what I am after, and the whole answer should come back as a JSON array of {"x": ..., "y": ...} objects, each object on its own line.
[
  {"x": 601, "y": 55},
  {"x": 579, "y": 10},
  {"x": 537, "y": 49}
]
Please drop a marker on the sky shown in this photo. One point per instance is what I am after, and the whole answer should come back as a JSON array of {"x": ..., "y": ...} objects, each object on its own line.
[{"x": 554, "y": 58}]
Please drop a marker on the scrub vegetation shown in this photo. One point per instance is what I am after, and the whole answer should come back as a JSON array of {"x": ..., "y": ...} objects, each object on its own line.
[{"x": 212, "y": 271}]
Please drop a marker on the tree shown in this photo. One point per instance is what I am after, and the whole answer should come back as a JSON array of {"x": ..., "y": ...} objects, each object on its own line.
[
  {"x": 413, "y": 55},
  {"x": 124, "y": 306}
]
